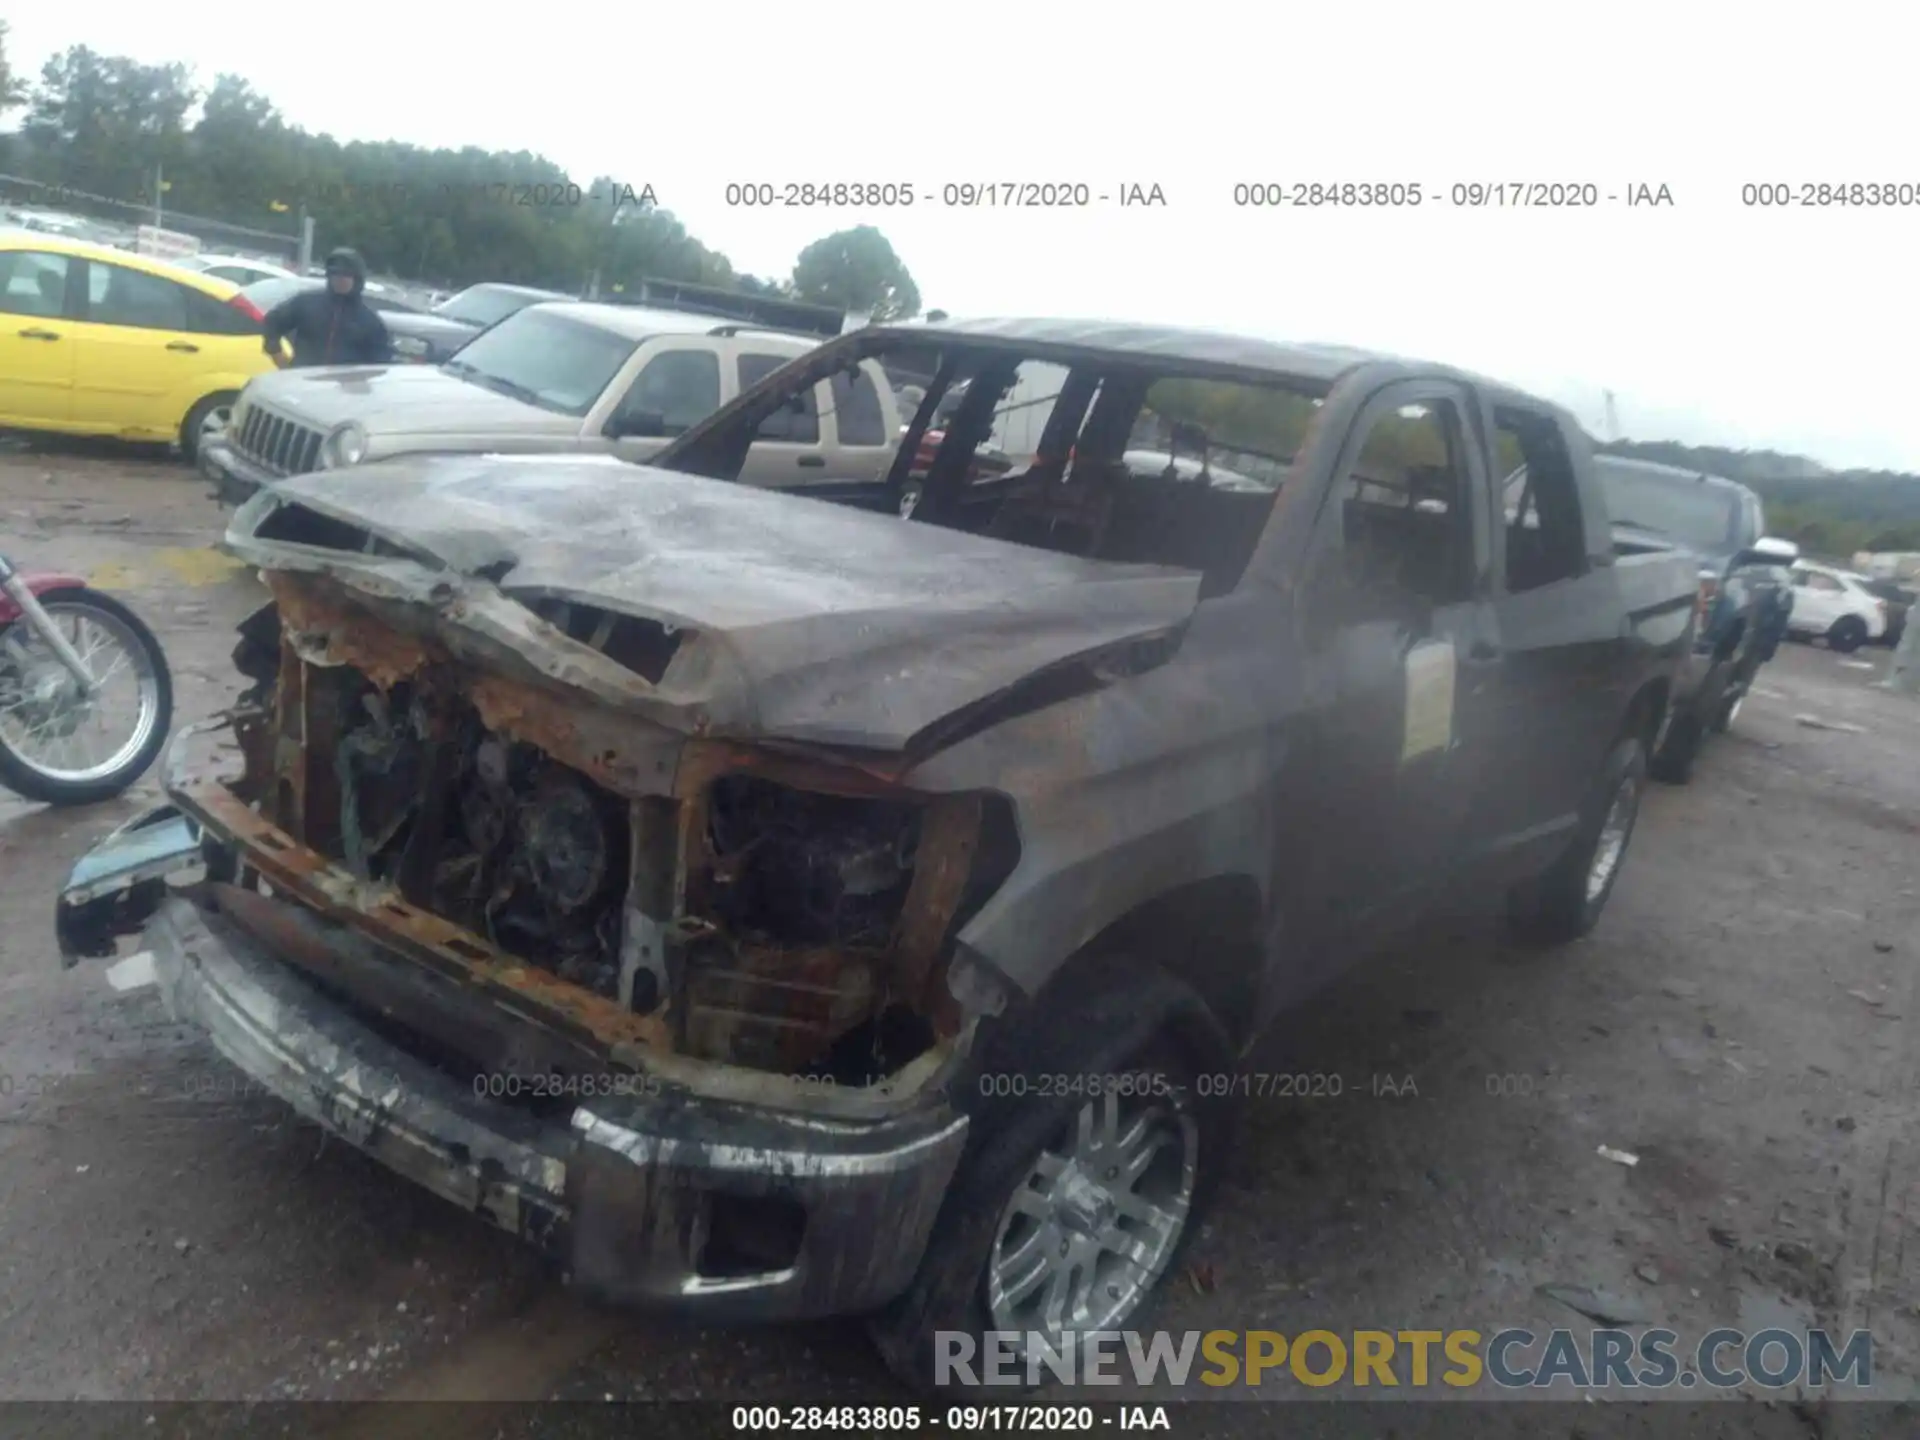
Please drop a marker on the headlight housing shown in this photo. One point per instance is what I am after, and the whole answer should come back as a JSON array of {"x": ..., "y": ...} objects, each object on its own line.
[
  {"x": 345, "y": 445},
  {"x": 411, "y": 347}
]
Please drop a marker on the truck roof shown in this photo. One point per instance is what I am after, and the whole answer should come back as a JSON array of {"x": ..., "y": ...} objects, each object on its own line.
[
  {"x": 1316, "y": 363},
  {"x": 1654, "y": 470},
  {"x": 635, "y": 322}
]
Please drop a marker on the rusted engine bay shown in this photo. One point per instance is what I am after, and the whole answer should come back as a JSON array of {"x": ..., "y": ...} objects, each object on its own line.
[{"x": 761, "y": 909}]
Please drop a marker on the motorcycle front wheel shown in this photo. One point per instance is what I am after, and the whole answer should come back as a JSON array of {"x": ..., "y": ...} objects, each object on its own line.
[{"x": 60, "y": 746}]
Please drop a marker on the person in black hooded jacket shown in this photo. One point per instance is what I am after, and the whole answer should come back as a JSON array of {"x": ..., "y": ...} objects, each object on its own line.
[{"x": 332, "y": 325}]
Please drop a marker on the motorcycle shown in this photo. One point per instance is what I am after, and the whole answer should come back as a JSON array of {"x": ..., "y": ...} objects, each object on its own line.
[{"x": 67, "y": 654}]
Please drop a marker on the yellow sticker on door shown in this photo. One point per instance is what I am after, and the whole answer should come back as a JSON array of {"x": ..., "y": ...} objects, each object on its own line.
[{"x": 1430, "y": 669}]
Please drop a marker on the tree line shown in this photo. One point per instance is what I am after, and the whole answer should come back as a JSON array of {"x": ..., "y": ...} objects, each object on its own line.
[{"x": 108, "y": 125}]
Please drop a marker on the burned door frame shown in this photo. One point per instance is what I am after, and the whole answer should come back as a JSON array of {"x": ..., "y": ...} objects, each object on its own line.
[
  {"x": 1554, "y": 650},
  {"x": 1363, "y": 789}
]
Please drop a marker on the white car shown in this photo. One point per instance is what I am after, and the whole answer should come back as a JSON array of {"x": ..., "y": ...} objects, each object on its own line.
[
  {"x": 1837, "y": 605},
  {"x": 236, "y": 268}
]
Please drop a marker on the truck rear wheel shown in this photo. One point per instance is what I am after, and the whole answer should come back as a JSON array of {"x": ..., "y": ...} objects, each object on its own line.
[
  {"x": 1566, "y": 902},
  {"x": 1673, "y": 761},
  {"x": 1097, "y": 1136}
]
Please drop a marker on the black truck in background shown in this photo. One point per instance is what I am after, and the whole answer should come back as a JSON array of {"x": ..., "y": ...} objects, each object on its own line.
[{"x": 1745, "y": 589}]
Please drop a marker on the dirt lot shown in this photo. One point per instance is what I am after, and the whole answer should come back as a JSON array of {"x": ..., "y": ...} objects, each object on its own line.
[{"x": 1744, "y": 1022}]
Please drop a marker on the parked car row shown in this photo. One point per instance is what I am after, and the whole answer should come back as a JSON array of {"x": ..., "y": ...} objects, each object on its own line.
[
  {"x": 559, "y": 377},
  {"x": 242, "y": 270},
  {"x": 107, "y": 342},
  {"x": 917, "y": 874},
  {"x": 99, "y": 341},
  {"x": 1837, "y": 606}
]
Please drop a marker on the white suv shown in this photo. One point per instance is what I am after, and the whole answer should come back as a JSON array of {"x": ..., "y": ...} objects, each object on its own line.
[
  {"x": 1837, "y": 605},
  {"x": 564, "y": 377}
]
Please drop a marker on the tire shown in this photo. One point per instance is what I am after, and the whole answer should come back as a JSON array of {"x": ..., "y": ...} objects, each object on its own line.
[
  {"x": 1672, "y": 763},
  {"x": 1847, "y": 634},
  {"x": 1564, "y": 904},
  {"x": 217, "y": 405},
  {"x": 909, "y": 499},
  {"x": 1140, "y": 1023},
  {"x": 21, "y": 775}
]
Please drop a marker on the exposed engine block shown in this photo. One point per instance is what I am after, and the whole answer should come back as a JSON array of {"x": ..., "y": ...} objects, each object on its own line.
[{"x": 529, "y": 853}]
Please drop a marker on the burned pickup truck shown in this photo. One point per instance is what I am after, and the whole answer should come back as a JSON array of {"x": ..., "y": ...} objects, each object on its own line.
[{"x": 776, "y": 907}]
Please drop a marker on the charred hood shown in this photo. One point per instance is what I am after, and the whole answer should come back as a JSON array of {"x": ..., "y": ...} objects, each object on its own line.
[{"x": 748, "y": 613}]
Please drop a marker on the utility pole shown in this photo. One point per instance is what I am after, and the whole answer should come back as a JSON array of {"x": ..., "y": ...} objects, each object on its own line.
[
  {"x": 305, "y": 257},
  {"x": 159, "y": 185},
  {"x": 1613, "y": 417}
]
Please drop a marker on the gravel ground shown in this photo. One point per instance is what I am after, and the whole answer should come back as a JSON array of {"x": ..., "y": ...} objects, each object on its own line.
[{"x": 1744, "y": 1022}]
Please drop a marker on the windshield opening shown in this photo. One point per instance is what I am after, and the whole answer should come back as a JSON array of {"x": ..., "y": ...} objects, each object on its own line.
[
  {"x": 549, "y": 360},
  {"x": 1239, "y": 436},
  {"x": 484, "y": 307},
  {"x": 1703, "y": 516},
  {"x": 1101, "y": 460}
]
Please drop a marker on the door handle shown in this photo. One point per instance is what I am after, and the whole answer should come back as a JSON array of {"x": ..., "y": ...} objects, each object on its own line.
[
  {"x": 183, "y": 345},
  {"x": 38, "y": 335},
  {"x": 814, "y": 462}
]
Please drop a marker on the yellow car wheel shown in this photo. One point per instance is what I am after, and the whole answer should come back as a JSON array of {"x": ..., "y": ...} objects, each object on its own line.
[{"x": 206, "y": 419}]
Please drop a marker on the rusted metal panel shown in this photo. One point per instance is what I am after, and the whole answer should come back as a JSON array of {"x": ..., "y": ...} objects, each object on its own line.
[
  {"x": 314, "y": 881},
  {"x": 777, "y": 1008},
  {"x": 289, "y": 745},
  {"x": 461, "y": 1019},
  {"x": 330, "y": 628},
  {"x": 943, "y": 864}
]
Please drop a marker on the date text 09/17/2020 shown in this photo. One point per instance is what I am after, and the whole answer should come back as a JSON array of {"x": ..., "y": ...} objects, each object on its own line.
[
  {"x": 537, "y": 195},
  {"x": 980, "y": 194},
  {"x": 954, "y": 1420},
  {"x": 1212, "y": 1085},
  {"x": 1460, "y": 195},
  {"x": 602, "y": 1085}
]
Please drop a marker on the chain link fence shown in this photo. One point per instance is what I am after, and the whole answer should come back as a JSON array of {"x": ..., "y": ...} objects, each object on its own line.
[{"x": 81, "y": 215}]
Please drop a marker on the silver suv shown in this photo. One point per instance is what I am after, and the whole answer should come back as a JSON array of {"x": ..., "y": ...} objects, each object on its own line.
[{"x": 567, "y": 378}]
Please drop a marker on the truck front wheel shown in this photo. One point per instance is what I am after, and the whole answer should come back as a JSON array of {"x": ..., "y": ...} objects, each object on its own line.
[
  {"x": 1566, "y": 902},
  {"x": 1090, "y": 1158}
]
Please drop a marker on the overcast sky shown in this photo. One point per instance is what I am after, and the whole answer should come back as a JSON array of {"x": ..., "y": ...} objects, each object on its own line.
[{"x": 1711, "y": 321}]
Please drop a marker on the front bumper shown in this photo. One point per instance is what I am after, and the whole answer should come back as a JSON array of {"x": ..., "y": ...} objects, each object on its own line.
[
  {"x": 235, "y": 478},
  {"x": 629, "y": 1191}
]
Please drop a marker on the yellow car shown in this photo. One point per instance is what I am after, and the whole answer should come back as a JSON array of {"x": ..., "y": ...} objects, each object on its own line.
[{"x": 98, "y": 341}]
